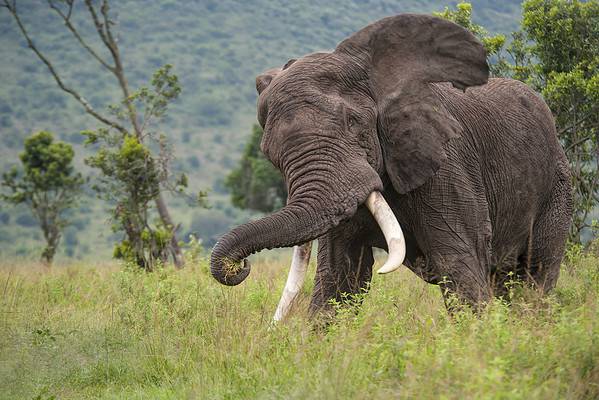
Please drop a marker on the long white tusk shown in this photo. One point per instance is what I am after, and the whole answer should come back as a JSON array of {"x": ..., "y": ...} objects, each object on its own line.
[
  {"x": 391, "y": 230},
  {"x": 295, "y": 280}
]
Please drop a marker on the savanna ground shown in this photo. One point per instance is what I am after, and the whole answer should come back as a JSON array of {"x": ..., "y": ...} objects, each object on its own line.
[{"x": 104, "y": 331}]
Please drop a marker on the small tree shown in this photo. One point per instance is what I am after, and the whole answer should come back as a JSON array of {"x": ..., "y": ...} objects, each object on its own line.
[
  {"x": 47, "y": 184},
  {"x": 126, "y": 118},
  {"x": 131, "y": 176},
  {"x": 255, "y": 184}
]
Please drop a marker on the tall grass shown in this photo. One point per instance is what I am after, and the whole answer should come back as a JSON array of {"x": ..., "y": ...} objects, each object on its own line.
[{"x": 109, "y": 332}]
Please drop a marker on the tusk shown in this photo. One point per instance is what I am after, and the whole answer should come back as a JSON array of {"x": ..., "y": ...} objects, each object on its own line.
[
  {"x": 386, "y": 220},
  {"x": 295, "y": 280}
]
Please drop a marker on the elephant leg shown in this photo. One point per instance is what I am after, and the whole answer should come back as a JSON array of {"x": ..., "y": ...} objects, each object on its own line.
[
  {"x": 540, "y": 265},
  {"x": 463, "y": 280},
  {"x": 344, "y": 268},
  {"x": 457, "y": 250}
]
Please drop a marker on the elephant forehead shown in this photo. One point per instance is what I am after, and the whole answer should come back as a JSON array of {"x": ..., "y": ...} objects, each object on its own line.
[
  {"x": 322, "y": 71},
  {"x": 314, "y": 115},
  {"x": 297, "y": 104},
  {"x": 317, "y": 82}
]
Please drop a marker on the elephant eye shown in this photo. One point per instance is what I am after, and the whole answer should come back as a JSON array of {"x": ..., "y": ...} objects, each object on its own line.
[
  {"x": 351, "y": 121},
  {"x": 349, "y": 118}
]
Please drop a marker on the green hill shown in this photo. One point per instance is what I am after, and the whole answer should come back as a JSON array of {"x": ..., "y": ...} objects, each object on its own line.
[{"x": 217, "y": 49}]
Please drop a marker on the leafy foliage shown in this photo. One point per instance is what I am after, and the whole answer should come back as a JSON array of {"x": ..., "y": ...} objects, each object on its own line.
[
  {"x": 47, "y": 183},
  {"x": 152, "y": 102},
  {"x": 565, "y": 41},
  {"x": 131, "y": 180},
  {"x": 131, "y": 176}
]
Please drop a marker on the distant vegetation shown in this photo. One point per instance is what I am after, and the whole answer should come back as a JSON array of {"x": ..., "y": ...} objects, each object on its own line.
[
  {"x": 132, "y": 159},
  {"x": 217, "y": 48}
]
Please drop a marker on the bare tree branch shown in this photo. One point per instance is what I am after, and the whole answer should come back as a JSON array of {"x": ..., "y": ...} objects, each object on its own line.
[
  {"x": 575, "y": 124},
  {"x": 578, "y": 142},
  {"x": 105, "y": 33},
  {"x": 10, "y": 7},
  {"x": 88, "y": 108},
  {"x": 70, "y": 3},
  {"x": 107, "y": 22},
  {"x": 67, "y": 21},
  {"x": 97, "y": 23}
]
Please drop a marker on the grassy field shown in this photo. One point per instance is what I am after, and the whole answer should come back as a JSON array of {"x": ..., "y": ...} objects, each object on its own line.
[{"x": 103, "y": 331}]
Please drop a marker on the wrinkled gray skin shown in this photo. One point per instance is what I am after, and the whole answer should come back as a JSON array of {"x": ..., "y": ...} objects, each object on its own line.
[{"x": 476, "y": 177}]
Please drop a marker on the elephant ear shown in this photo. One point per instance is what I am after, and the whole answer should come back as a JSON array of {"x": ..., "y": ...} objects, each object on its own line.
[
  {"x": 402, "y": 56},
  {"x": 264, "y": 79},
  {"x": 262, "y": 82}
]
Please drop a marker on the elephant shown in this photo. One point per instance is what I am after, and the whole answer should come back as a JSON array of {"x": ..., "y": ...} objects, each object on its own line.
[{"x": 398, "y": 139}]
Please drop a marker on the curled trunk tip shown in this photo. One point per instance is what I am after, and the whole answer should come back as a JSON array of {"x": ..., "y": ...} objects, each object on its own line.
[{"x": 228, "y": 271}]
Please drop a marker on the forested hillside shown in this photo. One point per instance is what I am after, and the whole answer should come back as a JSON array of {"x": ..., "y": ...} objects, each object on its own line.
[{"x": 217, "y": 48}]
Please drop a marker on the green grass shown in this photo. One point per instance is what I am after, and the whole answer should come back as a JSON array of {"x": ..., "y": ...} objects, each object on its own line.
[{"x": 83, "y": 331}]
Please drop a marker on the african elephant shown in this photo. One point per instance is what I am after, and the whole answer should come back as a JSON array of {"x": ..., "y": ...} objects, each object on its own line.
[{"x": 469, "y": 167}]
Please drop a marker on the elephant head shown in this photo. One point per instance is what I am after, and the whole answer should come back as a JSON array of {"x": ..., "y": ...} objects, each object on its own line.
[{"x": 335, "y": 124}]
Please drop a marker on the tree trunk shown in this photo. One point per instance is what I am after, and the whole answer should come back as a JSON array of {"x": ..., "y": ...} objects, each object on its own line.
[
  {"x": 165, "y": 216},
  {"x": 52, "y": 240}
]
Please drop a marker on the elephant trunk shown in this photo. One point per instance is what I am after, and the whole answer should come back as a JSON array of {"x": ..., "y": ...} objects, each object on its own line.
[
  {"x": 321, "y": 195},
  {"x": 294, "y": 224}
]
